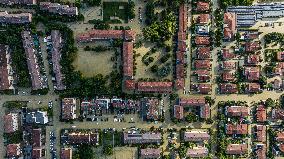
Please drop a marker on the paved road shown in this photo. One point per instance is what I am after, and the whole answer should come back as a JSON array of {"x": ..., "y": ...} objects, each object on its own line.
[
  {"x": 57, "y": 125},
  {"x": 46, "y": 65}
]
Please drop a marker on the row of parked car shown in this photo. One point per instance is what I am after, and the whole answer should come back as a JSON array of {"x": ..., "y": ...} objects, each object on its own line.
[{"x": 52, "y": 145}]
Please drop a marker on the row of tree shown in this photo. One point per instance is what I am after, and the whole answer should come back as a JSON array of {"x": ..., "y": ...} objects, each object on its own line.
[{"x": 225, "y": 3}]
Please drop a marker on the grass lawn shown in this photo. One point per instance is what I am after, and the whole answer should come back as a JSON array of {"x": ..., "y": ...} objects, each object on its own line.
[
  {"x": 115, "y": 9},
  {"x": 108, "y": 138},
  {"x": 91, "y": 63}
]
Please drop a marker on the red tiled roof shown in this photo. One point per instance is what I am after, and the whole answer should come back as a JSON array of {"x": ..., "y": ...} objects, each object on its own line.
[
  {"x": 252, "y": 46},
  {"x": 203, "y": 78},
  {"x": 230, "y": 20},
  {"x": 260, "y": 113},
  {"x": 129, "y": 34},
  {"x": 129, "y": 84},
  {"x": 205, "y": 111},
  {"x": 179, "y": 83},
  {"x": 228, "y": 88},
  {"x": 57, "y": 8},
  {"x": 141, "y": 137},
  {"x": 278, "y": 114},
  {"x": 152, "y": 108},
  {"x": 227, "y": 54},
  {"x": 202, "y": 72},
  {"x": 228, "y": 76},
  {"x": 4, "y": 72},
  {"x": 66, "y": 153},
  {"x": 229, "y": 25},
  {"x": 281, "y": 147},
  {"x": 181, "y": 36},
  {"x": 252, "y": 35},
  {"x": 13, "y": 150},
  {"x": 228, "y": 34},
  {"x": 253, "y": 59},
  {"x": 279, "y": 69},
  {"x": 106, "y": 34},
  {"x": 202, "y": 75},
  {"x": 202, "y": 6},
  {"x": 252, "y": 73},
  {"x": 9, "y": 121},
  {"x": 280, "y": 137},
  {"x": 261, "y": 151},
  {"x": 192, "y": 101},
  {"x": 277, "y": 84},
  {"x": 280, "y": 56},
  {"x": 23, "y": 2},
  {"x": 254, "y": 87},
  {"x": 155, "y": 86},
  {"x": 83, "y": 138},
  {"x": 197, "y": 152},
  {"x": 128, "y": 59},
  {"x": 203, "y": 18},
  {"x": 178, "y": 112},
  {"x": 180, "y": 57},
  {"x": 196, "y": 136},
  {"x": 21, "y": 18},
  {"x": 240, "y": 111},
  {"x": 238, "y": 129},
  {"x": 150, "y": 153},
  {"x": 202, "y": 64},
  {"x": 180, "y": 71},
  {"x": 68, "y": 108},
  {"x": 182, "y": 46},
  {"x": 203, "y": 52},
  {"x": 228, "y": 65},
  {"x": 260, "y": 133},
  {"x": 56, "y": 57},
  {"x": 32, "y": 60},
  {"x": 237, "y": 149},
  {"x": 202, "y": 40},
  {"x": 183, "y": 18},
  {"x": 36, "y": 153},
  {"x": 204, "y": 88},
  {"x": 36, "y": 138}
]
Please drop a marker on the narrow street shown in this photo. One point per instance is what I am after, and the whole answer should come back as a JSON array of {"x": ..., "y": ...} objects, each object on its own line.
[
  {"x": 57, "y": 125},
  {"x": 46, "y": 65}
]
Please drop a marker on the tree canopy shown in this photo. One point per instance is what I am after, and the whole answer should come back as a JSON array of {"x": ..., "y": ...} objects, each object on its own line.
[{"x": 86, "y": 152}]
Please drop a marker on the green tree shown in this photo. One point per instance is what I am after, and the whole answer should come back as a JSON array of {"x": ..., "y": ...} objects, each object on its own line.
[
  {"x": 93, "y": 2},
  {"x": 86, "y": 152},
  {"x": 238, "y": 37},
  {"x": 130, "y": 11},
  {"x": 191, "y": 118},
  {"x": 173, "y": 96},
  {"x": 269, "y": 102},
  {"x": 107, "y": 150},
  {"x": 78, "y": 3},
  {"x": 151, "y": 59},
  {"x": 154, "y": 68}
]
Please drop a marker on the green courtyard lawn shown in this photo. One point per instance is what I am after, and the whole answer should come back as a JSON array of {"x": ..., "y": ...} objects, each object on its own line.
[{"x": 115, "y": 9}]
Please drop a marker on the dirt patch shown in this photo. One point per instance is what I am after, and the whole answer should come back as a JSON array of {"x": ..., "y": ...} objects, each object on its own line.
[
  {"x": 90, "y": 63},
  {"x": 125, "y": 152},
  {"x": 144, "y": 71}
]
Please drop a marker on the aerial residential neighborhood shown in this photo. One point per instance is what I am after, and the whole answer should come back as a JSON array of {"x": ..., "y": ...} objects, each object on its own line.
[{"x": 141, "y": 79}]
